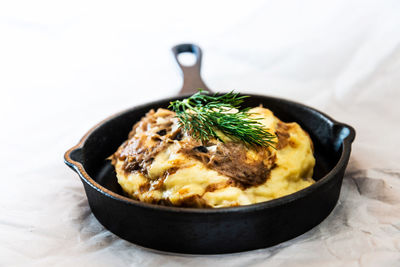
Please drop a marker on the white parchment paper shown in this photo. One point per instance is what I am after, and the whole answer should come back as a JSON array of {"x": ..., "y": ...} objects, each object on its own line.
[{"x": 66, "y": 66}]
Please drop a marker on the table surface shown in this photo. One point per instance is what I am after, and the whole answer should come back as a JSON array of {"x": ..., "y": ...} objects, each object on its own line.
[{"x": 66, "y": 66}]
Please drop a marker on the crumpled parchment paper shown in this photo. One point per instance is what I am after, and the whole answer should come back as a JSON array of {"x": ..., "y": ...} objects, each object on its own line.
[{"x": 66, "y": 66}]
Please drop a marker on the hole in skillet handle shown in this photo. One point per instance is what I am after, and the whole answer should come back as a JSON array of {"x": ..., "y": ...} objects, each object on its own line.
[
  {"x": 187, "y": 59},
  {"x": 192, "y": 80},
  {"x": 186, "y": 49}
]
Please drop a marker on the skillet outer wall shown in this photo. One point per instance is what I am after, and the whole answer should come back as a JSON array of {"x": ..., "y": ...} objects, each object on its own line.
[{"x": 214, "y": 233}]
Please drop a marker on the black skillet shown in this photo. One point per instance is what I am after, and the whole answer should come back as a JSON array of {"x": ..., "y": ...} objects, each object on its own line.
[{"x": 211, "y": 231}]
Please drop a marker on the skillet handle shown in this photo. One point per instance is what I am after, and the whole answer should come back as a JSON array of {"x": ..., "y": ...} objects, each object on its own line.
[
  {"x": 73, "y": 158},
  {"x": 191, "y": 74},
  {"x": 342, "y": 133}
]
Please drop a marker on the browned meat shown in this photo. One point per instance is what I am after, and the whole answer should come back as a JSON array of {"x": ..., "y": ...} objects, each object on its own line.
[
  {"x": 148, "y": 137},
  {"x": 230, "y": 159}
]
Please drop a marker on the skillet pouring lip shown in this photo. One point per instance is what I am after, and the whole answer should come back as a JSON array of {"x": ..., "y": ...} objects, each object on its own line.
[{"x": 78, "y": 167}]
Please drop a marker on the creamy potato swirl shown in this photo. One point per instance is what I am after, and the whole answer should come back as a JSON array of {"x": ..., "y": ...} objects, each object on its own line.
[{"x": 162, "y": 165}]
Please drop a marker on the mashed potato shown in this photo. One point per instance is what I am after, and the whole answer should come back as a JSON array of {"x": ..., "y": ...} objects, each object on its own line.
[{"x": 161, "y": 164}]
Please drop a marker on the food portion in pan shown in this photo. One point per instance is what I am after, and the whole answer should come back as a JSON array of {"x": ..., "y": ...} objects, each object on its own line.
[{"x": 205, "y": 151}]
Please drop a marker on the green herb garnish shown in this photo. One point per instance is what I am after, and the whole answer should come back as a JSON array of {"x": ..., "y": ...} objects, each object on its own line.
[{"x": 202, "y": 115}]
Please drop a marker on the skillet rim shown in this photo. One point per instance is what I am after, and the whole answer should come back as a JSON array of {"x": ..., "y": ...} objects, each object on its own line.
[{"x": 341, "y": 163}]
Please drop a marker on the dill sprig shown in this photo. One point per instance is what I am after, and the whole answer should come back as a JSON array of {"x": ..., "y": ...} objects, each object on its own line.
[{"x": 202, "y": 115}]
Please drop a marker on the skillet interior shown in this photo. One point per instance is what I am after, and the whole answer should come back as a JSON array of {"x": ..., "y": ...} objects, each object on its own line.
[{"x": 326, "y": 135}]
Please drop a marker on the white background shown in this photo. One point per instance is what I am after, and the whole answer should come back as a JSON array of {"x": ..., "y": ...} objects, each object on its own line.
[{"x": 64, "y": 66}]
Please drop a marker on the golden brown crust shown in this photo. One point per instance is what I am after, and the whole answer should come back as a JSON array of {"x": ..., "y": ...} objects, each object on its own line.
[{"x": 282, "y": 132}]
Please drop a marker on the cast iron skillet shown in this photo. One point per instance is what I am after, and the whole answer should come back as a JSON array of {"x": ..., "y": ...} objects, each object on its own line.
[{"x": 211, "y": 231}]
